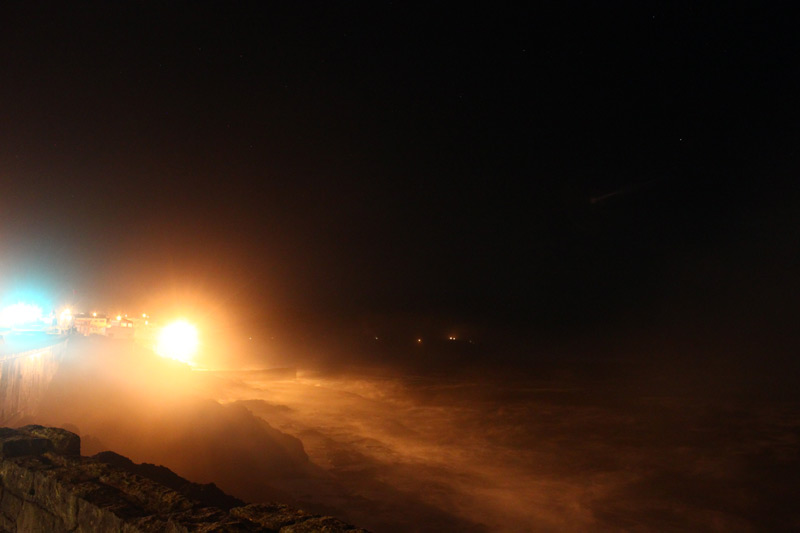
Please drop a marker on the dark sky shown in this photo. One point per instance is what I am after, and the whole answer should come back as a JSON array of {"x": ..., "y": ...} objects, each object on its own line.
[{"x": 551, "y": 166}]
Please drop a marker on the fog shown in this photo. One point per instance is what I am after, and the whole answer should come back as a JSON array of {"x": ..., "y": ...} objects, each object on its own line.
[{"x": 572, "y": 443}]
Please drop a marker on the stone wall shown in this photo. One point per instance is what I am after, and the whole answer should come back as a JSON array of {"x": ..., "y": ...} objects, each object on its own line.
[{"x": 46, "y": 485}]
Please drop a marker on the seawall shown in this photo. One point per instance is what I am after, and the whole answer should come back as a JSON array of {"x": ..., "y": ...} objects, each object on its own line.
[{"x": 24, "y": 378}]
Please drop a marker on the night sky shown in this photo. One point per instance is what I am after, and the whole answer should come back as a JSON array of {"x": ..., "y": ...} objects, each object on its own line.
[{"x": 552, "y": 169}]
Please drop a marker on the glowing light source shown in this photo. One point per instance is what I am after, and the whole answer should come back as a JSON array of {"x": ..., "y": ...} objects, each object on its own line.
[
  {"x": 119, "y": 317},
  {"x": 178, "y": 341},
  {"x": 65, "y": 319},
  {"x": 94, "y": 314},
  {"x": 20, "y": 314}
]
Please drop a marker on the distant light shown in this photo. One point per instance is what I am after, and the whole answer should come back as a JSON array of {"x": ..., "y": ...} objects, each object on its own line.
[
  {"x": 419, "y": 340},
  {"x": 144, "y": 315},
  {"x": 94, "y": 314},
  {"x": 452, "y": 338},
  {"x": 146, "y": 322},
  {"x": 119, "y": 317}
]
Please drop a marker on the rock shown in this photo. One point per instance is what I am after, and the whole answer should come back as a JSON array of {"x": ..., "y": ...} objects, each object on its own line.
[
  {"x": 207, "y": 494},
  {"x": 45, "y": 485},
  {"x": 325, "y": 524},
  {"x": 278, "y": 517},
  {"x": 64, "y": 442},
  {"x": 272, "y": 516},
  {"x": 20, "y": 444}
]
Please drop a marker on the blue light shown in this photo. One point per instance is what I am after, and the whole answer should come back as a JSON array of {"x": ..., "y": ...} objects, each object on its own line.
[
  {"x": 25, "y": 308},
  {"x": 21, "y": 314}
]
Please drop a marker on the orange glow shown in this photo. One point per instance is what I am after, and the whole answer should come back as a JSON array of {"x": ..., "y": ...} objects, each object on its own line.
[{"x": 178, "y": 341}]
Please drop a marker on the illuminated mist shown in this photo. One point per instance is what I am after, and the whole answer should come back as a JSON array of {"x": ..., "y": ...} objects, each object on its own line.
[{"x": 577, "y": 446}]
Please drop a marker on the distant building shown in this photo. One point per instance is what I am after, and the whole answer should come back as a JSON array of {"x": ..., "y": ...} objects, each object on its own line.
[
  {"x": 91, "y": 324},
  {"x": 120, "y": 328}
]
